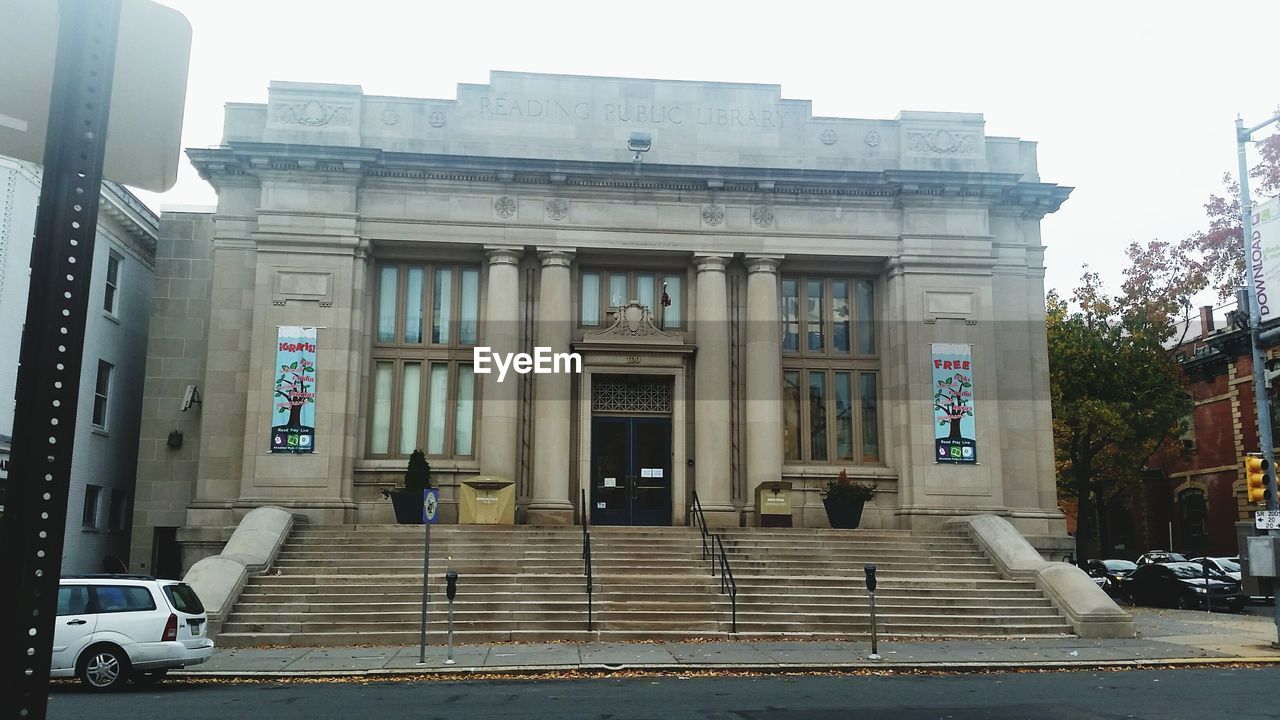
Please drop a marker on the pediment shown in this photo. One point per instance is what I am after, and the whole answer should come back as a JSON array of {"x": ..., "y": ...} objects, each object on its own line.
[{"x": 632, "y": 323}]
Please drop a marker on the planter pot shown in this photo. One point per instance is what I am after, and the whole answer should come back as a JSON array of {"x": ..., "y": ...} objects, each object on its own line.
[
  {"x": 408, "y": 507},
  {"x": 843, "y": 516}
]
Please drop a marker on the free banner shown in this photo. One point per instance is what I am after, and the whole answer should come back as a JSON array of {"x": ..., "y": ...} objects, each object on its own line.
[
  {"x": 293, "y": 404},
  {"x": 955, "y": 430},
  {"x": 1265, "y": 246}
]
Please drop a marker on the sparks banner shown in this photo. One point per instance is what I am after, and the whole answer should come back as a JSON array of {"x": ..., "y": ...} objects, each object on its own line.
[
  {"x": 955, "y": 430},
  {"x": 293, "y": 404},
  {"x": 1265, "y": 246}
]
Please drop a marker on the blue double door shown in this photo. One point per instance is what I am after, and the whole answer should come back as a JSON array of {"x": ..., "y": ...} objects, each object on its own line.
[{"x": 631, "y": 471}]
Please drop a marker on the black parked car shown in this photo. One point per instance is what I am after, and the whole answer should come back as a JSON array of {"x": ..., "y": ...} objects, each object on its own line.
[
  {"x": 1111, "y": 572},
  {"x": 1180, "y": 585},
  {"x": 1161, "y": 556}
]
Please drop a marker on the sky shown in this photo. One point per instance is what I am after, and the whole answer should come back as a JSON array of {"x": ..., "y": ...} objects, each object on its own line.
[{"x": 1131, "y": 103}]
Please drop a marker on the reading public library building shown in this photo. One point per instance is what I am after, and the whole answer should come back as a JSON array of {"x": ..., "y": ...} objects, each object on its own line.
[{"x": 754, "y": 294}]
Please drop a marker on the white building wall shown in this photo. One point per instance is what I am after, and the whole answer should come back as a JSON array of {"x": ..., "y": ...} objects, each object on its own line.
[
  {"x": 105, "y": 457},
  {"x": 19, "y": 195}
]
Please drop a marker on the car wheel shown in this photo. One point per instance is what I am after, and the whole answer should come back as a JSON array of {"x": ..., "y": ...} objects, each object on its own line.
[{"x": 103, "y": 668}]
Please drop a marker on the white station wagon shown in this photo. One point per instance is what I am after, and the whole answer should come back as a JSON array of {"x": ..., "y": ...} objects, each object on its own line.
[{"x": 111, "y": 628}]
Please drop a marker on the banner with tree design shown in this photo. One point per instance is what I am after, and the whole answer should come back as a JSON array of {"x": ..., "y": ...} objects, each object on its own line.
[
  {"x": 955, "y": 429},
  {"x": 293, "y": 404}
]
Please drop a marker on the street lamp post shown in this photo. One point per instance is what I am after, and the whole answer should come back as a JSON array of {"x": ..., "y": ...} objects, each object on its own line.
[{"x": 1261, "y": 398}]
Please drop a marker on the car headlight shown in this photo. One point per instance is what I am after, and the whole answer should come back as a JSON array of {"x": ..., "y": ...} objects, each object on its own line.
[{"x": 1200, "y": 590}]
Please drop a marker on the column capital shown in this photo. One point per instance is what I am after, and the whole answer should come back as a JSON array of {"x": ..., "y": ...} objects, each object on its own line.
[
  {"x": 710, "y": 263},
  {"x": 555, "y": 257},
  {"x": 763, "y": 263},
  {"x": 503, "y": 254}
]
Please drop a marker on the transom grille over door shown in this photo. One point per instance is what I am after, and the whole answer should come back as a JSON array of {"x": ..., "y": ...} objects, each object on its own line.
[{"x": 631, "y": 395}]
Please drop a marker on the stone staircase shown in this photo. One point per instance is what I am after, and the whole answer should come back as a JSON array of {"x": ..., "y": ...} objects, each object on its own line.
[
  {"x": 811, "y": 582},
  {"x": 344, "y": 585}
]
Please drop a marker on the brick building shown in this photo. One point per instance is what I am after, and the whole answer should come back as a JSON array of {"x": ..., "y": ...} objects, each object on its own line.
[{"x": 1195, "y": 490}]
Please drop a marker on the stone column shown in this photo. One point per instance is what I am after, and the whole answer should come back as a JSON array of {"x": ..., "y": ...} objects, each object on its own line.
[
  {"x": 552, "y": 409},
  {"x": 711, "y": 408},
  {"x": 763, "y": 373},
  {"x": 502, "y": 335}
]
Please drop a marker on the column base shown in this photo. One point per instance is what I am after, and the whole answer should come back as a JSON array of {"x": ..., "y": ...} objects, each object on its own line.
[
  {"x": 551, "y": 516},
  {"x": 723, "y": 516}
]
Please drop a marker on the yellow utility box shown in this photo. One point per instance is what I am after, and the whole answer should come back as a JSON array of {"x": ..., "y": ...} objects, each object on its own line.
[
  {"x": 773, "y": 504},
  {"x": 487, "y": 500}
]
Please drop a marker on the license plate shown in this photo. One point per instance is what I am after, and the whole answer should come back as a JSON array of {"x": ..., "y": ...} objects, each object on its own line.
[{"x": 196, "y": 628}]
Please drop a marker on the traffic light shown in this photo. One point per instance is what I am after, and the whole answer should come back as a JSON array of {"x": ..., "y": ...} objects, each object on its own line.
[{"x": 1256, "y": 481}]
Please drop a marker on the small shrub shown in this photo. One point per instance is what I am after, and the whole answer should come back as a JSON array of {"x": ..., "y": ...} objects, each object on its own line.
[{"x": 842, "y": 490}]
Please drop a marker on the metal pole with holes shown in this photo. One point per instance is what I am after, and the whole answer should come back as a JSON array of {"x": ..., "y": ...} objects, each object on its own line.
[{"x": 48, "y": 383}]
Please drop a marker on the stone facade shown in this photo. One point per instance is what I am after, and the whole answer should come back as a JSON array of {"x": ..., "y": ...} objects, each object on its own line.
[{"x": 517, "y": 216}]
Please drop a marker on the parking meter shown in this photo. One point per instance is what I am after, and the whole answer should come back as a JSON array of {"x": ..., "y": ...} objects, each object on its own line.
[
  {"x": 870, "y": 570},
  {"x": 450, "y": 591}
]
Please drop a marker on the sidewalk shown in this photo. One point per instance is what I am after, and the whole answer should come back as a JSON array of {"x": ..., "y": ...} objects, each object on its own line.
[{"x": 1171, "y": 637}]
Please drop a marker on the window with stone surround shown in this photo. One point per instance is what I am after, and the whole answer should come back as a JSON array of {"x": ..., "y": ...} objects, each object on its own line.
[
  {"x": 422, "y": 387},
  {"x": 831, "y": 370},
  {"x": 603, "y": 291}
]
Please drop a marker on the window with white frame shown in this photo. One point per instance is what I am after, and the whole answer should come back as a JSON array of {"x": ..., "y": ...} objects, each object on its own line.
[
  {"x": 423, "y": 387},
  {"x": 110, "y": 297},
  {"x": 101, "y": 394},
  {"x": 89, "y": 516}
]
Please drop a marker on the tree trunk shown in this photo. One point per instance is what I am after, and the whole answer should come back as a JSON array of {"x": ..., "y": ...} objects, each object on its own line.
[
  {"x": 1084, "y": 510},
  {"x": 295, "y": 414},
  {"x": 955, "y": 430},
  {"x": 1104, "y": 529}
]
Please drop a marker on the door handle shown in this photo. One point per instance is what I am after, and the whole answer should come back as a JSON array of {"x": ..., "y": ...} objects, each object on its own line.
[{"x": 77, "y": 622}]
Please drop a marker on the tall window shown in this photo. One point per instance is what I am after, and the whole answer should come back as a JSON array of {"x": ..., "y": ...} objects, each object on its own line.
[
  {"x": 109, "y": 298},
  {"x": 423, "y": 389},
  {"x": 101, "y": 393},
  {"x": 830, "y": 374},
  {"x": 89, "y": 517},
  {"x": 603, "y": 291}
]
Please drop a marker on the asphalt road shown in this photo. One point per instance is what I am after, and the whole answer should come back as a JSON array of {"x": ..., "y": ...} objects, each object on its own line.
[{"x": 1156, "y": 694}]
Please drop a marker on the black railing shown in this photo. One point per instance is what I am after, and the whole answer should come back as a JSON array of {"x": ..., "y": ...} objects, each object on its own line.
[
  {"x": 727, "y": 584},
  {"x": 700, "y": 521},
  {"x": 586, "y": 554},
  {"x": 713, "y": 549}
]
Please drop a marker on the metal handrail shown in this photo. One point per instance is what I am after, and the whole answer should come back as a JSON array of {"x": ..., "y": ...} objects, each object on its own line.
[
  {"x": 700, "y": 520},
  {"x": 727, "y": 583},
  {"x": 586, "y": 555},
  {"x": 713, "y": 547}
]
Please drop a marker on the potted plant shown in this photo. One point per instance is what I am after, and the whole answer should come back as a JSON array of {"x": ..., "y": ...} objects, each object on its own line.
[
  {"x": 845, "y": 500},
  {"x": 407, "y": 500}
]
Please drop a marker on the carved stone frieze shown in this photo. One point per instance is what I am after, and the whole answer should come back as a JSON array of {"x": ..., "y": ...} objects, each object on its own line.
[
  {"x": 713, "y": 214},
  {"x": 312, "y": 113},
  {"x": 941, "y": 142},
  {"x": 829, "y": 137},
  {"x": 762, "y": 216},
  {"x": 557, "y": 208},
  {"x": 437, "y": 119},
  {"x": 505, "y": 206}
]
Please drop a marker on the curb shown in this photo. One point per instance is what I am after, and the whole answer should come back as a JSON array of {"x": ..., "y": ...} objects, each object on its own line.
[{"x": 534, "y": 671}]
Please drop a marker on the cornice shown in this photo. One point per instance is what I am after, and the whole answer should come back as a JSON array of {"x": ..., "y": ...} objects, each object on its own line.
[{"x": 1005, "y": 191}]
